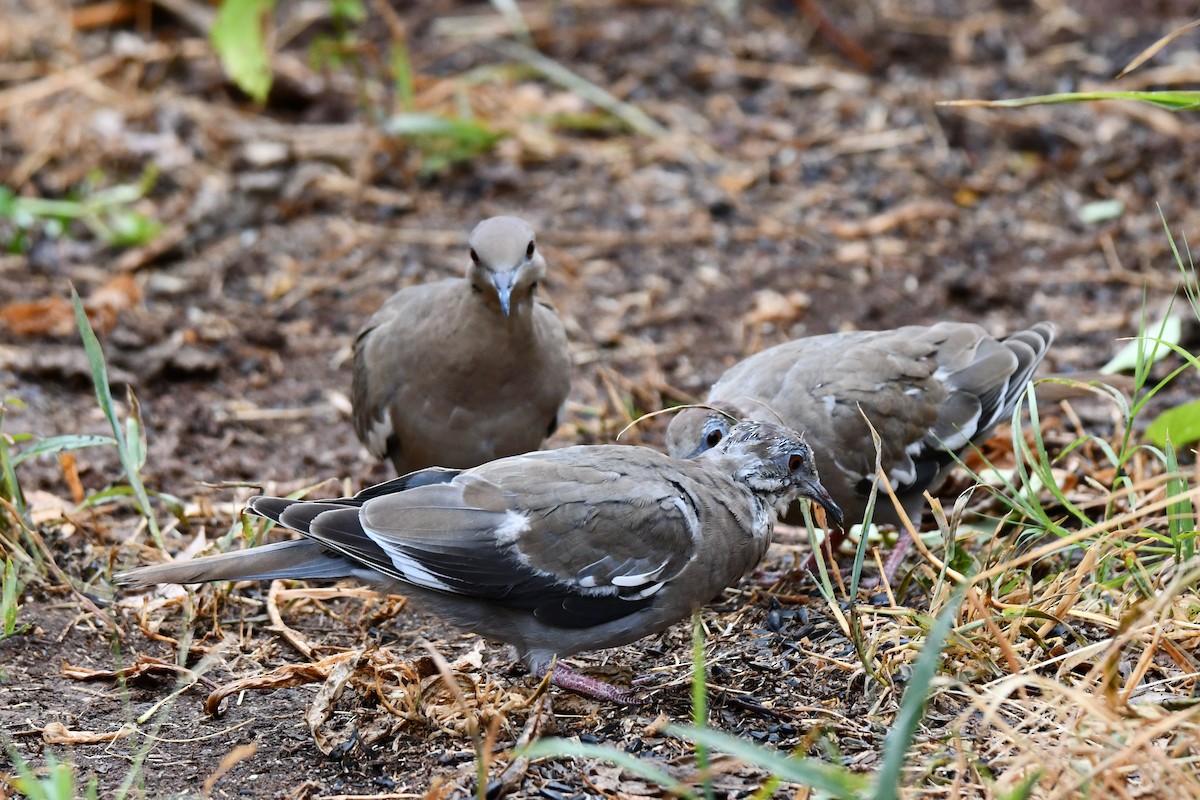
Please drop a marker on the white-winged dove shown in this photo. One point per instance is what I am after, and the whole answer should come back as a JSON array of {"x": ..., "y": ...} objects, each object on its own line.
[
  {"x": 462, "y": 371},
  {"x": 929, "y": 392},
  {"x": 554, "y": 552}
]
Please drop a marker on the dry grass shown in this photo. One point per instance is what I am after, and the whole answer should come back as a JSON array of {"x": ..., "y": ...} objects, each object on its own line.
[{"x": 1072, "y": 661}]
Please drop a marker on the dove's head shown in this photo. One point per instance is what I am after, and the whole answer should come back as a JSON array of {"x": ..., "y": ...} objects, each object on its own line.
[
  {"x": 506, "y": 264},
  {"x": 699, "y": 428},
  {"x": 775, "y": 463}
]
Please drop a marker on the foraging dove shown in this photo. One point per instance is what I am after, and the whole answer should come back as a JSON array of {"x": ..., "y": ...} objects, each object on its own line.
[
  {"x": 929, "y": 391},
  {"x": 555, "y": 552},
  {"x": 462, "y": 371}
]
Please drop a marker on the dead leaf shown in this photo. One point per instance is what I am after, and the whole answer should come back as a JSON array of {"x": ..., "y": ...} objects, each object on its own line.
[
  {"x": 45, "y": 507},
  {"x": 282, "y": 677},
  {"x": 322, "y": 708},
  {"x": 145, "y": 665},
  {"x": 55, "y": 316},
  {"x": 107, "y": 303},
  {"x": 735, "y": 182},
  {"x": 50, "y": 317},
  {"x": 57, "y": 733},
  {"x": 775, "y": 307}
]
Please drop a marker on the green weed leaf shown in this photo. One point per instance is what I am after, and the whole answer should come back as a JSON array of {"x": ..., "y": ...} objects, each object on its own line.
[
  {"x": 239, "y": 37},
  {"x": 347, "y": 10},
  {"x": 57, "y": 444},
  {"x": 131, "y": 228},
  {"x": 128, "y": 438},
  {"x": 443, "y": 141},
  {"x": 1181, "y": 424}
]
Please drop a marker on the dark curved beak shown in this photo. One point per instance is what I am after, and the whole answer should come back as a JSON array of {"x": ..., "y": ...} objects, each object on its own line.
[
  {"x": 504, "y": 281},
  {"x": 813, "y": 490}
]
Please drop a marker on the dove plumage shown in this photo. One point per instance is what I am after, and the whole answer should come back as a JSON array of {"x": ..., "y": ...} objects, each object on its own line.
[
  {"x": 555, "y": 552},
  {"x": 929, "y": 392},
  {"x": 465, "y": 370}
]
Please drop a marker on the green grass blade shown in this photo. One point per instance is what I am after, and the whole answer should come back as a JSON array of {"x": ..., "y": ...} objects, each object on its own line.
[
  {"x": 1041, "y": 462},
  {"x": 1191, "y": 285},
  {"x": 1170, "y": 100},
  {"x": 555, "y": 72},
  {"x": 912, "y": 706},
  {"x": 62, "y": 778},
  {"x": 1129, "y": 356},
  {"x": 95, "y": 357},
  {"x": 130, "y": 455},
  {"x": 833, "y": 780},
  {"x": 8, "y": 598},
  {"x": 568, "y": 748},
  {"x": 1024, "y": 787},
  {"x": 57, "y": 444},
  {"x": 1181, "y": 520},
  {"x": 768, "y": 789},
  {"x": 27, "y": 782},
  {"x": 402, "y": 76},
  {"x": 860, "y": 553},
  {"x": 700, "y": 701},
  {"x": 11, "y": 487}
]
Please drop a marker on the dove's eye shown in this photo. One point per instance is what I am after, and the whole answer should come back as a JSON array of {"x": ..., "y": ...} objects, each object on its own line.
[
  {"x": 474, "y": 256},
  {"x": 795, "y": 462},
  {"x": 714, "y": 437},
  {"x": 529, "y": 250}
]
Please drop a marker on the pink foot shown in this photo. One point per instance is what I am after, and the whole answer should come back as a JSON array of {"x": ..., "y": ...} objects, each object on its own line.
[
  {"x": 566, "y": 678},
  {"x": 896, "y": 557},
  {"x": 890, "y": 567}
]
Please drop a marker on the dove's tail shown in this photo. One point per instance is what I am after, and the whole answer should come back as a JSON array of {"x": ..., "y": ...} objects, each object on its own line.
[{"x": 302, "y": 558}]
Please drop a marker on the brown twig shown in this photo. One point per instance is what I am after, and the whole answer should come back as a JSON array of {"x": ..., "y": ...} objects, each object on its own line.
[
  {"x": 295, "y": 639},
  {"x": 848, "y": 47}
]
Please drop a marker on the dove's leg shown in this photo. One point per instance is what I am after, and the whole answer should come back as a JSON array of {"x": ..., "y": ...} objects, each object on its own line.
[{"x": 566, "y": 678}]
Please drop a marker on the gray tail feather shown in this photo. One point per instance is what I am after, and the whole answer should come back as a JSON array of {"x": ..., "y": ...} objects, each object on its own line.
[
  {"x": 274, "y": 508},
  {"x": 301, "y": 558},
  {"x": 1038, "y": 339},
  {"x": 1029, "y": 347},
  {"x": 269, "y": 507}
]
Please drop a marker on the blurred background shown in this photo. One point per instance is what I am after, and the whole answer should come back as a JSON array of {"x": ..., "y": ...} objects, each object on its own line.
[{"x": 707, "y": 178}]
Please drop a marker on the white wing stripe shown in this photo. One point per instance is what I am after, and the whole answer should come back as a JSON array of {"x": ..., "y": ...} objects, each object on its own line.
[{"x": 639, "y": 579}]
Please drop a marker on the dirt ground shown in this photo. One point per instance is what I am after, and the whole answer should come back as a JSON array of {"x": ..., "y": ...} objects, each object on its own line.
[{"x": 792, "y": 191}]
